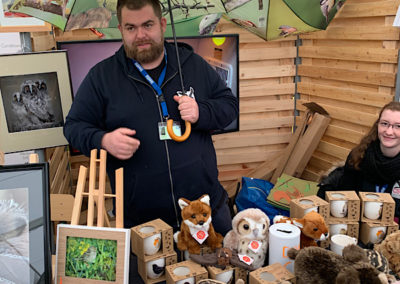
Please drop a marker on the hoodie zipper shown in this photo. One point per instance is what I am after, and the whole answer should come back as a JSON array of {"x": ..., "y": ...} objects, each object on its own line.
[{"x": 165, "y": 144}]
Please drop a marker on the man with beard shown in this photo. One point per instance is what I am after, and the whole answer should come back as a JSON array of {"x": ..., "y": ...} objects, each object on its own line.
[{"x": 121, "y": 107}]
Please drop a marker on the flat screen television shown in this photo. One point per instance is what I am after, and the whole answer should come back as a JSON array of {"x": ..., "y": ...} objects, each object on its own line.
[{"x": 224, "y": 58}]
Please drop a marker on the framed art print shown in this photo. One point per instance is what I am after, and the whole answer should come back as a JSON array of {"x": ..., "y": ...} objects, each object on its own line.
[
  {"x": 25, "y": 239},
  {"x": 92, "y": 255},
  {"x": 35, "y": 97},
  {"x": 17, "y": 22}
]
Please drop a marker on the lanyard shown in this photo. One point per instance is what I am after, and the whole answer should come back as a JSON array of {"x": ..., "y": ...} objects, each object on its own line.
[
  {"x": 380, "y": 188},
  {"x": 156, "y": 86}
]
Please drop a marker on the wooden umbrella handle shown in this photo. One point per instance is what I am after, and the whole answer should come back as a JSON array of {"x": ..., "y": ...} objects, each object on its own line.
[{"x": 176, "y": 137}]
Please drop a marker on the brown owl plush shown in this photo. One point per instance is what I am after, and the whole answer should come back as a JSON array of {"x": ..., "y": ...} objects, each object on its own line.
[
  {"x": 390, "y": 248},
  {"x": 249, "y": 236}
]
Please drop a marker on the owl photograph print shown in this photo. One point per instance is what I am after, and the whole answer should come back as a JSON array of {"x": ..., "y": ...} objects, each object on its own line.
[{"x": 31, "y": 101}]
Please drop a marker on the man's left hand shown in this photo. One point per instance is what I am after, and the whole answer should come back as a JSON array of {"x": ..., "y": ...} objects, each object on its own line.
[{"x": 188, "y": 108}]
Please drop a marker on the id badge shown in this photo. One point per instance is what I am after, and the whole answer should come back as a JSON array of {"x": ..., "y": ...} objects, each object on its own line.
[{"x": 163, "y": 133}]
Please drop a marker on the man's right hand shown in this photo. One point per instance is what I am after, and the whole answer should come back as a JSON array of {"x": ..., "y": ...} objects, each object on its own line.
[{"x": 120, "y": 143}]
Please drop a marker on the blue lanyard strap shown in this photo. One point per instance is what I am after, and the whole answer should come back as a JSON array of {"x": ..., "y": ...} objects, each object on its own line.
[
  {"x": 156, "y": 87},
  {"x": 380, "y": 188}
]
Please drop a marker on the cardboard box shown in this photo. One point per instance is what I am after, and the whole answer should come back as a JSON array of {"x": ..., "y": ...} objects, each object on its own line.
[
  {"x": 353, "y": 205},
  {"x": 274, "y": 273},
  {"x": 370, "y": 230},
  {"x": 303, "y": 143},
  {"x": 170, "y": 258},
  {"x": 190, "y": 269},
  {"x": 137, "y": 239},
  {"x": 351, "y": 229},
  {"x": 241, "y": 273},
  {"x": 387, "y": 215},
  {"x": 299, "y": 206},
  {"x": 226, "y": 275}
]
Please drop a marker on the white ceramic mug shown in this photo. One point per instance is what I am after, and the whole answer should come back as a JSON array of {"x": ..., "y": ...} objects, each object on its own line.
[
  {"x": 339, "y": 208},
  {"x": 182, "y": 271},
  {"x": 308, "y": 202},
  {"x": 225, "y": 276},
  {"x": 151, "y": 244},
  {"x": 377, "y": 234},
  {"x": 338, "y": 242},
  {"x": 155, "y": 268},
  {"x": 335, "y": 229},
  {"x": 189, "y": 280},
  {"x": 373, "y": 209}
]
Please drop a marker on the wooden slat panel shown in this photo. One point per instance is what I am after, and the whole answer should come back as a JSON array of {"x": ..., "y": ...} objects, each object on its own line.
[
  {"x": 333, "y": 150},
  {"x": 350, "y": 53},
  {"x": 355, "y": 32},
  {"x": 257, "y": 72},
  {"x": 259, "y": 89},
  {"x": 365, "y": 77},
  {"x": 344, "y": 94},
  {"x": 249, "y": 54},
  {"x": 357, "y": 117},
  {"x": 244, "y": 140},
  {"x": 372, "y": 9},
  {"x": 245, "y": 155},
  {"x": 343, "y": 133},
  {"x": 259, "y": 105},
  {"x": 248, "y": 124}
]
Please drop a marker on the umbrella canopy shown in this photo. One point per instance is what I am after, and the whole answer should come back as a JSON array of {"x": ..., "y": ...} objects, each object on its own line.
[{"x": 269, "y": 19}]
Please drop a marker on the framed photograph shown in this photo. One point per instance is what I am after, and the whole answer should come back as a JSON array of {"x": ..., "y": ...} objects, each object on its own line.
[
  {"x": 17, "y": 22},
  {"x": 25, "y": 239},
  {"x": 35, "y": 97},
  {"x": 92, "y": 255},
  {"x": 55, "y": 12}
]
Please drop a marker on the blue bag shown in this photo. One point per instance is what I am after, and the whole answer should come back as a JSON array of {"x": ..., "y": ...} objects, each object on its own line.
[{"x": 254, "y": 193}]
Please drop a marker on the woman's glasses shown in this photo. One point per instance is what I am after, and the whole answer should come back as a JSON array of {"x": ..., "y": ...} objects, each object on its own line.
[{"x": 386, "y": 125}]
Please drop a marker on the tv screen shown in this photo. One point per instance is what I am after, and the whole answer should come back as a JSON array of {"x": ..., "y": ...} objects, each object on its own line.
[{"x": 221, "y": 52}]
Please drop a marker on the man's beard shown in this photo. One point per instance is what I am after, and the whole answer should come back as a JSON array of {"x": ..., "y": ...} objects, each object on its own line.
[{"x": 147, "y": 55}]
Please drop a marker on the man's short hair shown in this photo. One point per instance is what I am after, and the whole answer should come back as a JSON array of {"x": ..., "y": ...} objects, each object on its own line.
[{"x": 137, "y": 5}]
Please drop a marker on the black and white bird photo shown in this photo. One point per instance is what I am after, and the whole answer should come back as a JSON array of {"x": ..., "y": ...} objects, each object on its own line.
[{"x": 31, "y": 101}]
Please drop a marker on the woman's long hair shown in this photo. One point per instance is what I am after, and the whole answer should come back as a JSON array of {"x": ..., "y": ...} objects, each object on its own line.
[{"x": 358, "y": 152}]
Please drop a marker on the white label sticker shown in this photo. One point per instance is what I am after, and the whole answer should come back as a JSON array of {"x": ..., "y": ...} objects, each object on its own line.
[
  {"x": 200, "y": 236},
  {"x": 255, "y": 246},
  {"x": 246, "y": 259}
]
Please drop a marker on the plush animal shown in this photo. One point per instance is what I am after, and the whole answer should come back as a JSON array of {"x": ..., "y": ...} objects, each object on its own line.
[
  {"x": 390, "y": 248},
  {"x": 314, "y": 265},
  {"x": 196, "y": 226},
  {"x": 249, "y": 236},
  {"x": 312, "y": 226}
]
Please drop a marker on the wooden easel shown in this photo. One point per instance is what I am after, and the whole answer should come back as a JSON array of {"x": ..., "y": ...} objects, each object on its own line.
[{"x": 97, "y": 195}]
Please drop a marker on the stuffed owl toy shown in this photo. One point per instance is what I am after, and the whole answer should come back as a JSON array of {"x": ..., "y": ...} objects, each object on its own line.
[{"x": 249, "y": 236}]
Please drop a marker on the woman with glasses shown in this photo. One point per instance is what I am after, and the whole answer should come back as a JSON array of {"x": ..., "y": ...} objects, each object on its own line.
[{"x": 374, "y": 164}]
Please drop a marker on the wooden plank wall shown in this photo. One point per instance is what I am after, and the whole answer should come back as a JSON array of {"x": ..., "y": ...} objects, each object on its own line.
[
  {"x": 349, "y": 69},
  {"x": 266, "y": 92}
]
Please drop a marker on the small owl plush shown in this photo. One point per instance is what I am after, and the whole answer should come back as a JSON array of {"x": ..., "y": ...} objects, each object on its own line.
[{"x": 249, "y": 236}]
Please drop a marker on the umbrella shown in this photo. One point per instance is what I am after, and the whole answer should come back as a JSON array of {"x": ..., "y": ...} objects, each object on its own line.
[{"x": 269, "y": 19}]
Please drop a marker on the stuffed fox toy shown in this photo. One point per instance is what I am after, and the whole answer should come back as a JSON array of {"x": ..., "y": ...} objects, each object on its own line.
[
  {"x": 196, "y": 227},
  {"x": 312, "y": 226}
]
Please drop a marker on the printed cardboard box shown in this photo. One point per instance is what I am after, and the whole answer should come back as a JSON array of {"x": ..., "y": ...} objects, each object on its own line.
[
  {"x": 241, "y": 273},
  {"x": 388, "y": 207},
  {"x": 274, "y": 273},
  {"x": 183, "y": 270},
  {"x": 353, "y": 205},
  {"x": 226, "y": 275},
  {"x": 148, "y": 276},
  {"x": 141, "y": 232},
  {"x": 342, "y": 227},
  {"x": 376, "y": 233},
  {"x": 300, "y": 206}
]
